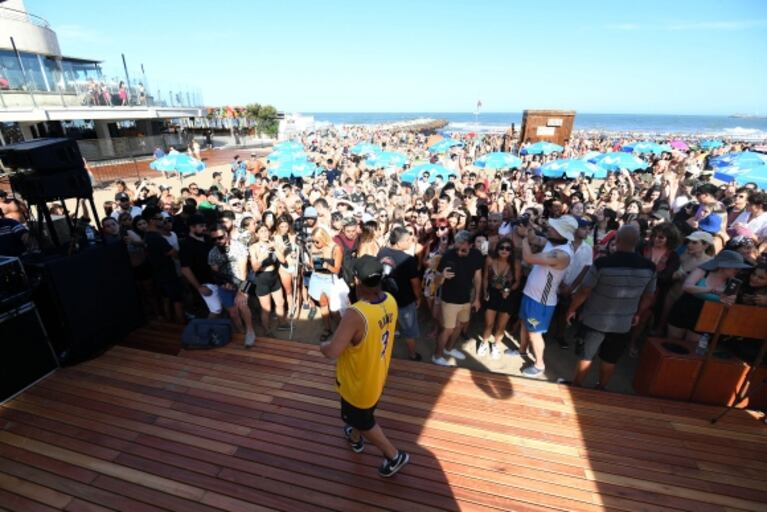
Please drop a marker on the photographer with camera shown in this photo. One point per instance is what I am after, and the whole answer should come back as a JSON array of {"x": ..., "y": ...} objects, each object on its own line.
[
  {"x": 263, "y": 275},
  {"x": 401, "y": 279},
  {"x": 228, "y": 260}
]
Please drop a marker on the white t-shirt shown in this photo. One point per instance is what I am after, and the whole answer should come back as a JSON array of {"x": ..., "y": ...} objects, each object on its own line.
[
  {"x": 172, "y": 239},
  {"x": 679, "y": 203},
  {"x": 543, "y": 281},
  {"x": 581, "y": 258},
  {"x": 758, "y": 225}
]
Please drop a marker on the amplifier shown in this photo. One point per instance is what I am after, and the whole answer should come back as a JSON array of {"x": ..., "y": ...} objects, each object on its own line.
[
  {"x": 14, "y": 285},
  {"x": 43, "y": 155},
  {"x": 26, "y": 355}
]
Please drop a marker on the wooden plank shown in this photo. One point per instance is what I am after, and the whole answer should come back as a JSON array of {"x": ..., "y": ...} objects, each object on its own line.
[
  {"x": 33, "y": 491},
  {"x": 16, "y": 503},
  {"x": 148, "y": 480}
]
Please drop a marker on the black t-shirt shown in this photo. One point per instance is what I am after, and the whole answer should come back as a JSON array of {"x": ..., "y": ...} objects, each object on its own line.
[
  {"x": 157, "y": 249},
  {"x": 458, "y": 289},
  {"x": 405, "y": 268},
  {"x": 194, "y": 254},
  {"x": 11, "y": 237}
]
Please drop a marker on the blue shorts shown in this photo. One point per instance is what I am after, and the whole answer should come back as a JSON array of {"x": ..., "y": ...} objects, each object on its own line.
[
  {"x": 537, "y": 316},
  {"x": 226, "y": 297},
  {"x": 407, "y": 321}
]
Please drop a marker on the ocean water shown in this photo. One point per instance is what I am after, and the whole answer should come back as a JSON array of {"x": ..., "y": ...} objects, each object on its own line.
[{"x": 487, "y": 122}]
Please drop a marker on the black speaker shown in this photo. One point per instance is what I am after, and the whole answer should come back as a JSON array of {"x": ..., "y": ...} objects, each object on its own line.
[
  {"x": 88, "y": 301},
  {"x": 25, "y": 354},
  {"x": 43, "y": 155}
]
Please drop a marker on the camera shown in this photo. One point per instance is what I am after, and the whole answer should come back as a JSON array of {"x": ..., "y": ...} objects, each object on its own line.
[
  {"x": 317, "y": 262},
  {"x": 523, "y": 220}
]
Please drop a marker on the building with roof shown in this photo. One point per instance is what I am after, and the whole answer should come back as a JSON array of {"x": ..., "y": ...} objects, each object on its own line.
[{"x": 44, "y": 92}]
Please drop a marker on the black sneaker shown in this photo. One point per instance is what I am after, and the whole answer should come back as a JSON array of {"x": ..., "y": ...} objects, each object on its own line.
[
  {"x": 359, "y": 445},
  {"x": 390, "y": 467},
  {"x": 416, "y": 357}
]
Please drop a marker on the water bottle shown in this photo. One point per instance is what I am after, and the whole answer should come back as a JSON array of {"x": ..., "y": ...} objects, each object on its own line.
[{"x": 702, "y": 345}]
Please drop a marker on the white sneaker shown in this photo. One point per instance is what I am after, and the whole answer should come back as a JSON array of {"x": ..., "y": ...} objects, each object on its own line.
[
  {"x": 456, "y": 354},
  {"x": 513, "y": 352},
  {"x": 441, "y": 361},
  {"x": 495, "y": 352},
  {"x": 484, "y": 349},
  {"x": 250, "y": 339}
]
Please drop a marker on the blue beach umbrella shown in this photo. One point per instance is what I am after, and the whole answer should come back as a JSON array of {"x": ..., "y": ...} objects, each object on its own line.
[
  {"x": 569, "y": 168},
  {"x": 741, "y": 176},
  {"x": 415, "y": 172},
  {"x": 365, "y": 148},
  {"x": 386, "y": 159},
  {"x": 177, "y": 162},
  {"x": 647, "y": 147},
  {"x": 711, "y": 144},
  {"x": 617, "y": 160},
  {"x": 289, "y": 145},
  {"x": 498, "y": 160},
  {"x": 542, "y": 148},
  {"x": 444, "y": 145},
  {"x": 286, "y": 155},
  {"x": 742, "y": 159},
  {"x": 589, "y": 155},
  {"x": 294, "y": 169}
]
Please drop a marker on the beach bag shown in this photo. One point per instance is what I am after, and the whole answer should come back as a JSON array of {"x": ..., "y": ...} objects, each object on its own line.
[{"x": 207, "y": 333}]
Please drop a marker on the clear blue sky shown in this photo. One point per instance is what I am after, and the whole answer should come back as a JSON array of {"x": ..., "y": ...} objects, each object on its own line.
[{"x": 686, "y": 57}]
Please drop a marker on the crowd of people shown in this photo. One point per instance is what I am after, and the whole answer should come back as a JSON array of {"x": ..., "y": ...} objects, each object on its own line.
[{"x": 592, "y": 264}]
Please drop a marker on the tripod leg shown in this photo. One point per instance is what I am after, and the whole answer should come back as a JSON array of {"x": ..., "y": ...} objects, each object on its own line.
[{"x": 736, "y": 404}]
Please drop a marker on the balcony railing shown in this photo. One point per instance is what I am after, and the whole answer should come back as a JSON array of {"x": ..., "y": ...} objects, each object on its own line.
[{"x": 16, "y": 15}]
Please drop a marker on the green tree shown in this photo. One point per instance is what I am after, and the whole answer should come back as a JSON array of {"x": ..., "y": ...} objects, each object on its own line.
[{"x": 265, "y": 117}]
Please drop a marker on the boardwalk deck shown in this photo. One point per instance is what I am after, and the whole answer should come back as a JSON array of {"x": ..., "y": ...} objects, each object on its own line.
[{"x": 257, "y": 430}]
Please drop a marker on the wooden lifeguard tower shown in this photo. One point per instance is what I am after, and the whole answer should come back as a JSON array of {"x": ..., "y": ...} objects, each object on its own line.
[{"x": 547, "y": 125}]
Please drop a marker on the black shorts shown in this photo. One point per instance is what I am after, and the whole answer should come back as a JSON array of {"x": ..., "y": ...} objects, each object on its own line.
[
  {"x": 361, "y": 419},
  {"x": 496, "y": 302},
  {"x": 266, "y": 283},
  {"x": 609, "y": 345}
]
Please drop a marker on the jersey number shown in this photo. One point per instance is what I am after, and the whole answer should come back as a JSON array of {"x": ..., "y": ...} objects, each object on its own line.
[{"x": 384, "y": 343}]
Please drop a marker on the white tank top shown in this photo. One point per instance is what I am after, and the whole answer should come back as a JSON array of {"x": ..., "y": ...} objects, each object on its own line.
[{"x": 543, "y": 282}]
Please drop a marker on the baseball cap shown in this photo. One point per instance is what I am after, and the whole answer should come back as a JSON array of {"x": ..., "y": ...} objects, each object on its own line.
[
  {"x": 565, "y": 226},
  {"x": 584, "y": 222},
  {"x": 196, "y": 220},
  {"x": 711, "y": 224},
  {"x": 122, "y": 196},
  {"x": 368, "y": 270},
  {"x": 701, "y": 236},
  {"x": 311, "y": 211}
]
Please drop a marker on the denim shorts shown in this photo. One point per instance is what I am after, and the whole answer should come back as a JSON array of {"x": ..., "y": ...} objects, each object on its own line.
[
  {"x": 226, "y": 296},
  {"x": 407, "y": 321}
]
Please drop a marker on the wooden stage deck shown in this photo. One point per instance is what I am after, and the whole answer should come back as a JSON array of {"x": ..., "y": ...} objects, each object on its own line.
[{"x": 257, "y": 430}]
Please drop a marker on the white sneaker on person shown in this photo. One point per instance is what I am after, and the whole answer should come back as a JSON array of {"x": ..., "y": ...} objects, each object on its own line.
[
  {"x": 442, "y": 361},
  {"x": 484, "y": 349},
  {"x": 495, "y": 352},
  {"x": 250, "y": 339},
  {"x": 454, "y": 352}
]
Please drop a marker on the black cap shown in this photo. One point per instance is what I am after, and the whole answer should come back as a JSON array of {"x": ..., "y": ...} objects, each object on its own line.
[
  {"x": 196, "y": 220},
  {"x": 122, "y": 196},
  {"x": 368, "y": 270}
]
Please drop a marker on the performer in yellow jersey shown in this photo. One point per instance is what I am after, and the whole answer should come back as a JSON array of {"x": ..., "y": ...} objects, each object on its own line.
[{"x": 362, "y": 345}]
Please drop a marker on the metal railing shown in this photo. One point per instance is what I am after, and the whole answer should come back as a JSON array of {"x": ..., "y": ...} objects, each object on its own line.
[{"x": 17, "y": 15}]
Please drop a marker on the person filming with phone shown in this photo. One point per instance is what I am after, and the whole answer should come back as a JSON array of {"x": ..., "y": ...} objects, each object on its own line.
[
  {"x": 460, "y": 274},
  {"x": 714, "y": 280}
]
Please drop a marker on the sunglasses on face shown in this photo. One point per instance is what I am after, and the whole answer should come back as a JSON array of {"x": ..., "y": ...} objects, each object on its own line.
[{"x": 504, "y": 248}]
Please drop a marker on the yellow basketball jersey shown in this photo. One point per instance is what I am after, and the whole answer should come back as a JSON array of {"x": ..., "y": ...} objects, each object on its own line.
[{"x": 361, "y": 370}]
